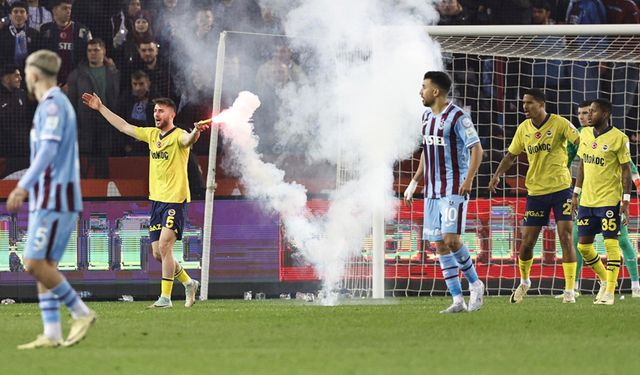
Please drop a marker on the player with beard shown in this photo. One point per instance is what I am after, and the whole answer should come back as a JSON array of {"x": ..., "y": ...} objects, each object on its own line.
[{"x": 169, "y": 148}]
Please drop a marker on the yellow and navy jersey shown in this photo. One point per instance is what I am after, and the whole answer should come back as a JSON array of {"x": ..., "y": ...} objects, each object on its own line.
[
  {"x": 168, "y": 181},
  {"x": 546, "y": 148},
  {"x": 602, "y": 154}
]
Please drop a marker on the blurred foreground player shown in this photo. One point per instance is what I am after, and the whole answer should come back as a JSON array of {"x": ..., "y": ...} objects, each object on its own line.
[
  {"x": 451, "y": 156},
  {"x": 53, "y": 185},
  {"x": 169, "y": 148}
]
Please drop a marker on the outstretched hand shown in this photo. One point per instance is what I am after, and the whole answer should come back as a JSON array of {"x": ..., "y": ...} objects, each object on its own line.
[
  {"x": 92, "y": 101},
  {"x": 200, "y": 126}
]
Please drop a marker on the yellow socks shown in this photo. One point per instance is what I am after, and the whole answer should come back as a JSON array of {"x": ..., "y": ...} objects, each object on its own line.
[
  {"x": 166, "y": 287},
  {"x": 525, "y": 269},
  {"x": 182, "y": 276},
  {"x": 613, "y": 263},
  {"x": 592, "y": 259},
  {"x": 569, "y": 275}
]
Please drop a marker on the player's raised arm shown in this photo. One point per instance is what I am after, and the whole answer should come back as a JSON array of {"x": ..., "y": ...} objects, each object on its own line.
[
  {"x": 187, "y": 139},
  {"x": 93, "y": 101},
  {"x": 506, "y": 163}
]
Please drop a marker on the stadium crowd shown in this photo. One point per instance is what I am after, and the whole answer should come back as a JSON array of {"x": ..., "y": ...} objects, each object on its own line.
[{"x": 129, "y": 52}]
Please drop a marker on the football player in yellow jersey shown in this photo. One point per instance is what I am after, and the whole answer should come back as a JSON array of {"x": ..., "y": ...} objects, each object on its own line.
[
  {"x": 168, "y": 187},
  {"x": 543, "y": 136},
  {"x": 603, "y": 178}
]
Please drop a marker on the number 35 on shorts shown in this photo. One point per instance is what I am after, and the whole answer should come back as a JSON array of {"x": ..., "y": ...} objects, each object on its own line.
[{"x": 609, "y": 224}]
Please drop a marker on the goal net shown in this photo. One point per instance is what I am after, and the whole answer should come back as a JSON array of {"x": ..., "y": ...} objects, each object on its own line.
[{"x": 490, "y": 67}]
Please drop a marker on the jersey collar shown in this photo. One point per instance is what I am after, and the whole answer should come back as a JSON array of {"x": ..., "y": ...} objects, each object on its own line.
[
  {"x": 596, "y": 134},
  {"x": 162, "y": 136},
  {"x": 50, "y": 92},
  {"x": 543, "y": 122}
]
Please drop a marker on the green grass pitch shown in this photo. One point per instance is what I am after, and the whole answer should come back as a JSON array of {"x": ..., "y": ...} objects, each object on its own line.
[{"x": 401, "y": 336}]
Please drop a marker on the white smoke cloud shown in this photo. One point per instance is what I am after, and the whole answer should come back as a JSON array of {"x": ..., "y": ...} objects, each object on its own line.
[{"x": 360, "y": 101}]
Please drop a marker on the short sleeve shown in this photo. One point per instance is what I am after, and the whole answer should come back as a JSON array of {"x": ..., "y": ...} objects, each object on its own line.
[
  {"x": 466, "y": 131},
  {"x": 570, "y": 132},
  {"x": 516, "y": 147},
  {"x": 51, "y": 122},
  {"x": 144, "y": 134},
  {"x": 624, "y": 154}
]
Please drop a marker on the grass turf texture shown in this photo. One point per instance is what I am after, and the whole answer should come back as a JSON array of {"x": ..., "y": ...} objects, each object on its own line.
[{"x": 407, "y": 336}]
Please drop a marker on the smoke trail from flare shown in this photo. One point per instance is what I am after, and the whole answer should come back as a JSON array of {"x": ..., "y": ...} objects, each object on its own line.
[{"x": 327, "y": 241}]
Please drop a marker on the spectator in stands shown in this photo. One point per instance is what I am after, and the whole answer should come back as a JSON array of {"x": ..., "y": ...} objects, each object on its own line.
[
  {"x": 136, "y": 108},
  {"x": 270, "y": 23},
  {"x": 16, "y": 113},
  {"x": 127, "y": 53},
  {"x": 97, "y": 16},
  {"x": 196, "y": 104},
  {"x": 17, "y": 40},
  {"x": 97, "y": 75},
  {"x": 559, "y": 10},
  {"x": 207, "y": 31},
  {"x": 65, "y": 37},
  {"x": 267, "y": 72},
  {"x": 165, "y": 24},
  {"x": 541, "y": 12},
  {"x": 123, "y": 22},
  {"x": 4, "y": 13},
  {"x": 272, "y": 77},
  {"x": 239, "y": 15},
  {"x": 156, "y": 68},
  {"x": 236, "y": 77},
  {"x": 586, "y": 12},
  {"x": 504, "y": 12},
  {"x": 622, "y": 11},
  {"x": 584, "y": 74},
  {"x": 452, "y": 12},
  {"x": 38, "y": 14}
]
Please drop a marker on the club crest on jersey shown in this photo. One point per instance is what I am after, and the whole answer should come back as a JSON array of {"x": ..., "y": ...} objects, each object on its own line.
[
  {"x": 609, "y": 214},
  {"x": 549, "y": 134},
  {"x": 594, "y": 145},
  {"x": 52, "y": 109},
  {"x": 158, "y": 144},
  {"x": 605, "y": 148},
  {"x": 172, "y": 212},
  {"x": 538, "y": 135}
]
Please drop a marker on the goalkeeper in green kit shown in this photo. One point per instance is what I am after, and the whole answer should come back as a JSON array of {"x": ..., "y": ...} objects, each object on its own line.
[{"x": 630, "y": 257}]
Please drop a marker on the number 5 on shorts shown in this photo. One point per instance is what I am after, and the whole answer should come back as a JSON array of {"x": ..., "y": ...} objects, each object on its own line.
[
  {"x": 169, "y": 222},
  {"x": 41, "y": 238}
]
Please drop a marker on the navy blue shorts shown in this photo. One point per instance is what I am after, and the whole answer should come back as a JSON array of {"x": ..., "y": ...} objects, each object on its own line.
[
  {"x": 605, "y": 220},
  {"x": 539, "y": 208},
  {"x": 166, "y": 215}
]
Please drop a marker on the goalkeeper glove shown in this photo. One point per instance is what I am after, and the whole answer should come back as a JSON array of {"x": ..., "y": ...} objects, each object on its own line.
[{"x": 408, "y": 193}]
